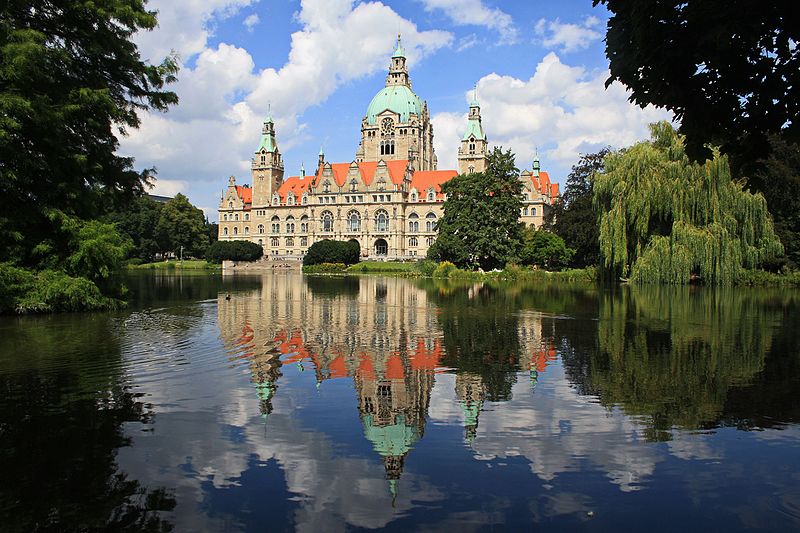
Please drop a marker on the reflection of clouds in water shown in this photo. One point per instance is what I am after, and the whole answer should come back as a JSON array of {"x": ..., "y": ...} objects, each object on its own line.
[
  {"x": 557, "y": 430},
  {"x": 333, "y": 491}
]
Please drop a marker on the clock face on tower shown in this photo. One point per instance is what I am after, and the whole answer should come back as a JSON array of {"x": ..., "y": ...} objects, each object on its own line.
[{"x": 387, "y": 126}]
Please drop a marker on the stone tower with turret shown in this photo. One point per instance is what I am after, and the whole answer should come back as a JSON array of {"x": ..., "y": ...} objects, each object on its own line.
[
  {"x": 397, "y": 124},
  {"x": 267, "y": 165},
  {"x": 472, "y": 151}
]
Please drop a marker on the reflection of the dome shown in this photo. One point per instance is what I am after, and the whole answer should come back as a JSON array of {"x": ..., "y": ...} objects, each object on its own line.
[{"x": 382, "y": 333}]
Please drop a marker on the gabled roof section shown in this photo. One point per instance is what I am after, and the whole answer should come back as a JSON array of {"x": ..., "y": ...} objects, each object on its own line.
[
  {"x": 397, "y": 170},
  {"x": 246, "y": 194},
  {"x": 425, "y": 179},
  {"x": 296, "y": 185}
]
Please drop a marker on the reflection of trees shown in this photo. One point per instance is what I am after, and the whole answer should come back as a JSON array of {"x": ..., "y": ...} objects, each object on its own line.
[
  {"x": 62, "y": 412},
  {"x": 480, "y": 334},
  {"x": 672, "y": 354}
]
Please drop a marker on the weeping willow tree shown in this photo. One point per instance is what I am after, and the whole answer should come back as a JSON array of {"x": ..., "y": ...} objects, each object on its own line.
[{"x": 664, "y": 219}]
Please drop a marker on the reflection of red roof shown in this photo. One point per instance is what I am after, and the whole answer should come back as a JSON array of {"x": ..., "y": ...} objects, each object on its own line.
[
  {"x": 542, "y": 358},
  {"x": 394, "y": 368},
  {"x": 424, "y": 359}
]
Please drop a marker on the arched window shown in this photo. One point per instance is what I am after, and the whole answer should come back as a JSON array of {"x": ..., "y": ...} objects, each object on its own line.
[
  {"x": 230, "y": 205},
  {"x": 304, "y": 224},
  {"x": 413, "y": 197},
  {"x": 472, "y": 147},
  {"x": 276, "y": 224},
  {"x": 471, "y": 169},
  {"x": 327, "y": 221},
  {"x": 413, "y": 223},
  {"x": 261, "y": 228},
  {"x": 412, "y": 242},
  {"x": 246, "y": 230},
  {"x": 289, "y": 241},
  {"x": 225, "y": 218},
  {"x": 326, "y": 187},
  {"x": 430, "y": 240},
  {"x": 430, "y": 222},
  {"x": 290, "y": 199},
  {"x": 305, "y": 199},
  {"x": 533, "y": 211},
  {"x": 261, "y": 242},
  {"x": 276, "y": 200},
  {"x": 524, "y": 211},
  {"x": 353, "y": 221},
  {"x": 263, "y": 157},
  {"x": 381, "y": 221},
  {"x": 236, "y": 231},
  {"x": 353, "y": 185},
  {"x": 525, "y": 197},
  {"x": 273, "y": 241},
  {"x": 225, "y": 231},
  {"x": 236, "y": 217},
  {"x": 246, "y": 216},
  {"x": 290, "y": 224},
  {"x": 431, "y": 194}
]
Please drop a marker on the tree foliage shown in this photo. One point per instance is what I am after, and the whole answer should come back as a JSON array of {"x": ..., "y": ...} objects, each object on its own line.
[
  {"x": 663, "y": 218},
  {"x": 138, "y": 220},
  {"x": 574, "y": 218},
  {"x": 545, "y": 249},
  {"x": 220, "y": 251},
  {"x": 71, "y": 81},
  {"x": 330, "y": 251},
  {"x": 729, "y": 72},
  {"x": 777, "y": 176},
  {"x": 480, "y": 227},
  {"x": 182, "y": 225}
]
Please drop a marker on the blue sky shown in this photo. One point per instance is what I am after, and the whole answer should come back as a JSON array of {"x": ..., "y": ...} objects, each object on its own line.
[{"x": 539, "y": 67}]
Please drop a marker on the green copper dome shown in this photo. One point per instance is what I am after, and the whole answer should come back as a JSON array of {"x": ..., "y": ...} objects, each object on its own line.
[{"x": 396, "y": 98}]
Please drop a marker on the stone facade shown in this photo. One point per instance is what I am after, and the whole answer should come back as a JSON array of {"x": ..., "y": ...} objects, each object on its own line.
[{"x": 388, "y": 198}]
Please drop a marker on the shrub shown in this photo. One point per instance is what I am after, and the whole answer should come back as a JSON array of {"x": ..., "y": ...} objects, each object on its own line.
[
  {"x": 329, "y": 251},
  {"x": 233, "y": 251},
  {"x": 444, "y": 269},
  {"x": 24, "y": 291},
  {"x": 15, "y": 282},
  {"x": 426, "y": 267},
  {"x": 325, "y": 268}
]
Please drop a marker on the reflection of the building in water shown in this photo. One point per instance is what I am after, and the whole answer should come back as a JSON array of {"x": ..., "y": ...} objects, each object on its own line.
[{"x": 383, "y": 333}]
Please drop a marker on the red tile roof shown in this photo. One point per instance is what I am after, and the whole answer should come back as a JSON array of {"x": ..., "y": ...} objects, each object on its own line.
[
  {"x": 246, "y": 194},
  {"x": 422, "y": 180}
]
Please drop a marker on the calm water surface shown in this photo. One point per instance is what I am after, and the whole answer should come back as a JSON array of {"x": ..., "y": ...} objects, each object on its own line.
[{"x": 319, "y": 404}]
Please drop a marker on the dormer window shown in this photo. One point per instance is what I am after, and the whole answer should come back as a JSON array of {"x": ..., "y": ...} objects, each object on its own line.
[
  {"x": 305, "y": 199},
  {"x": 290, "y": 199},
  {"x": 431, "y": 195},
  {"x": 276, "y": 200},
  {"x": 230, "y": 205},
  {"x": 413, "y": 197}
]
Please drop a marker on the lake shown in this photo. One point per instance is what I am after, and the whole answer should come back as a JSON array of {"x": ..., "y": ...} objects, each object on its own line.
[{"x": 283, "y": 402}]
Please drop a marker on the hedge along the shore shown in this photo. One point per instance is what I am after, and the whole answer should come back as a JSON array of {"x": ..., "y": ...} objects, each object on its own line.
[{"x": 664, "y": 218}]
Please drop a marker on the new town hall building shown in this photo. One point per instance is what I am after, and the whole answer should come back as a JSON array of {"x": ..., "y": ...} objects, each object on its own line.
[{"x": 389, "y": 198}]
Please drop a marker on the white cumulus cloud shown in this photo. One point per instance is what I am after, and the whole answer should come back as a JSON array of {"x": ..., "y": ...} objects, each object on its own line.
[
  {"x": 476, "y": 13},
  {"x": 561, "y": 109},
  {"x": 223, "y": 97},
  {"x": 568, "y": 37},
  {"x": 251, "y": 22}
]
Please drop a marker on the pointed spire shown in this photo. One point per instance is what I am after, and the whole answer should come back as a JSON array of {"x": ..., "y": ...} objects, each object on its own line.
[
  {"x": 474, "y": 102},
  {"x": 399, "y": 51},
  {"x": 269, "y": 120},
  {"x": 302, "y": 170}
]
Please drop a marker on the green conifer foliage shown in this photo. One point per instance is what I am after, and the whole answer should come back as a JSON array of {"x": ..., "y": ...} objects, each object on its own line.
[{"x": 664, "y": 219}]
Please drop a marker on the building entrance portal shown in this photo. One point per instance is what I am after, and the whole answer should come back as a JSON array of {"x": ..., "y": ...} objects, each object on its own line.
[{"x": 381, "y": 248}]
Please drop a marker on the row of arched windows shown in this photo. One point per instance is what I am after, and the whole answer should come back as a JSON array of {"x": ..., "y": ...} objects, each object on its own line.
[
  {"x": 387, "y": 147},
  {"x": 234, "y": 217},
  {"x": 413, "y": 222}
]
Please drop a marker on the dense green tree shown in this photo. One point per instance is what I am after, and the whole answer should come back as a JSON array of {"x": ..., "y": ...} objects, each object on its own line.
[
  {"x": 71, "y": 81},
  {"x": 545, "y": 249},
  {"x": 138, "y": 220},
  {"x": 574, "y": 218},
  {"x": 664, "y": 218},
  {"x": 480, "y": 227},
  {"x": 330, "y": 251},
  {"x": 729, "y": 71},
  {"x": 181, "y": 224},
  {"x": 220, "y": 251},
  {"x": 778, "y": 178}
]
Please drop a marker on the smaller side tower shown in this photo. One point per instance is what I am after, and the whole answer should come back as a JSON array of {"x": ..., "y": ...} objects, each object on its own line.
[
  {"x": 267, "y": 165},
  {"x": 472, "y": 152}
]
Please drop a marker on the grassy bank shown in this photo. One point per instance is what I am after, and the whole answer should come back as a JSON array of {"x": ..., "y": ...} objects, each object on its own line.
[
  {"x": 189, "y": 264},
  {"x": 447, "y": 270}
]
